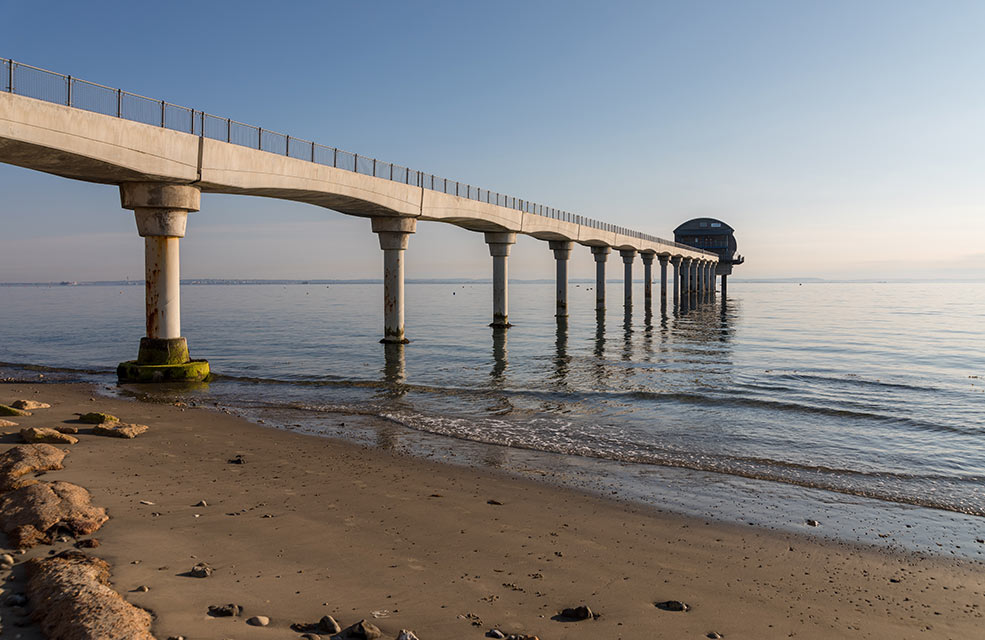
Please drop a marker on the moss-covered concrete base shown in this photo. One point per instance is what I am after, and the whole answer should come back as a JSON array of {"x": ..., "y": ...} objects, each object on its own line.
[
  {"x": 163, "y": 351},
  {"x": 192, "y": 371}
]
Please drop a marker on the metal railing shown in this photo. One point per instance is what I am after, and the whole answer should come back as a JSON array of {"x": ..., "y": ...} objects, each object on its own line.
[{"x": 41, "y": 84}]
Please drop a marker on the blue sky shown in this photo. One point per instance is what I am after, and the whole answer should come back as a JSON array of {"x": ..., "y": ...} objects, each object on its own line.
[{"x": 841, "y": 139}]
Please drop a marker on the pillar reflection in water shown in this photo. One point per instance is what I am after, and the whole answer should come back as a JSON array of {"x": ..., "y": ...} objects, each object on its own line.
[
  {"x": 499, "y": 355},
  {"x": 394, "y": 369},
  {"x": 627, "y": 334},
  {"x": 648, "y": 331},
  {"x": 599, "y": 369},
  {"x": 561, "y": 359}
]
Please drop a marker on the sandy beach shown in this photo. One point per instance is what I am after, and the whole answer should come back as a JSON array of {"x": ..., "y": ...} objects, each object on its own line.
[{"x": 310, "y": 526}]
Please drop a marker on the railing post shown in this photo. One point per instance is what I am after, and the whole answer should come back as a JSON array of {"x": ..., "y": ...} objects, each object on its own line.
[
  {"x": 287, "y": 146},
  {"x": 10, "y": 76},
  {"x": 312, "y": 151},
  {"x": 119, "y": 103},
  {"x": 229, "y": 130},
  {"x": 260, "y": 138},
  {"x": 162, "y": 112},
  {"x": 68, "y": 99},
  {"x": 335, "y": 157}
]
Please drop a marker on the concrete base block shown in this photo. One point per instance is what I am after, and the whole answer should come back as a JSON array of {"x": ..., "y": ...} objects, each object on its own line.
[
  {"x": 134, "y": 371},
  {"x": 394, "y": 341},
  {"x": 163, "y": 351}
]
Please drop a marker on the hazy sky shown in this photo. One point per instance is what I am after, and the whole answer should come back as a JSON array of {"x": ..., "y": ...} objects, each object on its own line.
[{"x": 840, "y": 139}]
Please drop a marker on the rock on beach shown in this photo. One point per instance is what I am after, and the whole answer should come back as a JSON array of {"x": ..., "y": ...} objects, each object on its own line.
[
  {"x": 34, "y": 435},
  {"x": 93, "y": 611},
  {"x": 96, "y": 417},
  {"x": 119, "y": 429},
  {"x": 34, "y": 514},
  {"x": 10, "y": 411},
  {"x": 29, "y": 405},
  {"x": 17, "y": 463}
]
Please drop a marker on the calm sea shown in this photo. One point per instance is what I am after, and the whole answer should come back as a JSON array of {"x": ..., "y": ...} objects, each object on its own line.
[{"x": 859, "y": 405}]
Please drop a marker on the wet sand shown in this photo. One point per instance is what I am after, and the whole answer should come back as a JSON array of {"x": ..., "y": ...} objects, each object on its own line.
[{"x": 311, "y": 526}]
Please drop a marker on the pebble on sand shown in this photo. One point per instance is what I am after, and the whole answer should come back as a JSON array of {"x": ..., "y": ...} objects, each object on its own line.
[
  {"x": 329, "y": 625},
  {"x": 407, "y": 634},
  {"x": 581, "y": 612},
  {"x": 258, "y": 621},
  {"x": 7, "y": 423},
  {"x": 224, "y": 610},
  {"x": 201, "y": 570},
  {"x": 672, "y": 605},
  {"x": 363, "y": 630},
  {"x": 812, "y": 523}
]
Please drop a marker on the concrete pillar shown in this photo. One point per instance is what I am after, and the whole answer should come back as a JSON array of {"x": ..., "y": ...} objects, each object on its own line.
[
  {"x": 711, "y": 275},
  {"x": 628, "y": 255},
  {"x": 724, "y": 285},
  {"x": 394, "y": 234},
  {"x": 161, "y": 212},
  {"x": 685, "y": 276},
  {"x": 499, "y": 248},
  {"x": 647, "y": 277},
  {"x": 676, "y": 262},
  {"x": 699, "y": 278},
  {"x": 601, "y": 254},
  {"x": 562, "y": 251},
  {"x": 663, "y": 279}
]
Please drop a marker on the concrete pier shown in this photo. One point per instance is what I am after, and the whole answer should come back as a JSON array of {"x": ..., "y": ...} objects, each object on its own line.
[
  {"x": 161, "y": 212},
  {"x": 601, "y": 254},
  {"x": 394, "y": 234},
  {"x": 628, "y": 255},
  {"x": 648, "y": 277},
  {"x": 724, "y": 286},
  {"x": 562, "y": 251},
  {"x": 499, "y": 248}
]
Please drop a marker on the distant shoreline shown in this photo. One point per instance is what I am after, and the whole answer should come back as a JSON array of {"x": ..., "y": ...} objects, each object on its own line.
[{"x": 249, "y": 281}]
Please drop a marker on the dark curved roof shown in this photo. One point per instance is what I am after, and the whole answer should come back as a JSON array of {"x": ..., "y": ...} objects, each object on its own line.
[{"x": 704, "y": 226}]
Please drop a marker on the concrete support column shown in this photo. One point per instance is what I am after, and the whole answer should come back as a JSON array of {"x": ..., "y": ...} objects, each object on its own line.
[
  {"x": 724, "y": 285},
  {"x": 394, "y": 234},
  {"x": 663, "y": 279},
  {"x": 162, "y": 287},
  {"x": 676, "y": 262},
  {"x": 648, "y": 277},
  {"x": 601, "y": 254},
  {"x": 685, "y": 276},
  {"x": 711, "y": 276},
  {"x": 562, "y": 251},
  {"x": 161, "y": 212},
  {"x": 699, "y": 277},
  {"x": 628, "y": 255},
  {"x": 499, "y": 248}
]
